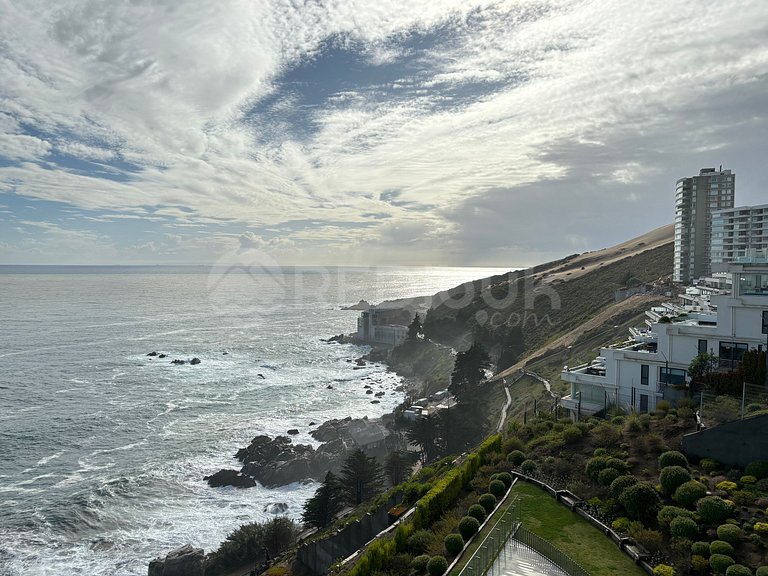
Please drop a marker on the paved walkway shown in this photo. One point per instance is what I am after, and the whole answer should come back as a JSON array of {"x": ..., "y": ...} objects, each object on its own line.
[{"x": 519, "y": 560}]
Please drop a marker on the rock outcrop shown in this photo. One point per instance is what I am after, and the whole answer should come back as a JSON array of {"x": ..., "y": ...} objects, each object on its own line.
[
  {"x": 226, "y": 477},
  {"x": 184, "y": 561}
]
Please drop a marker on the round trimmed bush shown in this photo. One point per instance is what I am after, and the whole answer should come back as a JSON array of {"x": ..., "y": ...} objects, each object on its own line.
[
  {"x": 682, "y": 527},
  {"x": 700, "y": 549},
  {"x": 673, "y": 458},
  {"x": 738, "y": 570},
  {"x": 728, "y": 533},
  {"x": 713, "y": 509},
  {"x": 419, "y": 563},
  {"x": 487, "y": 501},
  {"x": 699, "y": 563},
  {"x": 437, "y": 566},
  {"x": 710, "y": 465},
  {"x": 688, "y": 493},
  {"x": 720, "y": 547},
  {"x": 640, "y": 501},
  {"x": 617, "y": 464},
  {"x": 420, "y": 541},
  {"x": 477, "y": 511},
  {"x": 669, "y": 513},
  {"x": 454, "y": 543},
  {"x": 607, "y": 476},
  {"x": 528, "y": 467},
  {"x": 758, "y": 469},
  {"x": 497, "y": 488},
  {"x": 663, "y": 570},
  {"x": 748, "y": 480},
  {"x": 672, "y": 477},
  {"x": 468, "y": 526},
  {"x": 621, "y": 524},
  {"x": 595, "y": 465},
  {"x": 516, "y": 457},
  {"x": 505, "y": 477},
  {"x": 719, "y": 563},
  {"x": 512, "y": 444},
  {"x": 622, "y": 483},
  {"x": 762, "y": 571}
]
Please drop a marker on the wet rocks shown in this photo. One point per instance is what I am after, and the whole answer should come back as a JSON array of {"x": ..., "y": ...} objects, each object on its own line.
[
  {"x": 276, "y": 508},
  {"x": 184, "y": 561},
  {"x": 195, "y": 361},
  {"x": 178, "y": 362},
  {"x": 293, "y": 431},
  {"x": 226, "y": 477}
]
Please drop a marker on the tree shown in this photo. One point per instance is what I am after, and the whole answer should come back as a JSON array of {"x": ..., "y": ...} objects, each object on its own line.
[
  {"x": 361, "y": 476},
  {"x": 328, "y": 501},
  {"x": 396, "y": 467},
  {"x": 425, "y": 434},
  {"x": 752, "y": 367},
  {"x": 512, "y": 347},
  {"x": 415, "y": 328},
  {"x": 469, "y": 371},
  {"x": 703, "y": 364}
]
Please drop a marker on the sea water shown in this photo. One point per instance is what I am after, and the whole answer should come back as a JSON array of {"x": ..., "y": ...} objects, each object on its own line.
[{"x": 103, "y": 449}]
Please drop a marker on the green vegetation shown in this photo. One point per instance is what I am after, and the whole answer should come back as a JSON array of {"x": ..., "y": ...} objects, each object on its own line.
[{"x": 570, "y": 533}]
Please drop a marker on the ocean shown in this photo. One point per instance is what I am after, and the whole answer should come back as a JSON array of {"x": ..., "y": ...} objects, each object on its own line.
[{"x": 103, "y": 449}]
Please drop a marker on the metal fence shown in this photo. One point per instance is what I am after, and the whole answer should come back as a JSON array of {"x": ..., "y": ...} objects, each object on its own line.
[
  {"x": 489, "y": 548},
  {"x": 716, "y": 409},
  {"x": 554, "y": 555}
]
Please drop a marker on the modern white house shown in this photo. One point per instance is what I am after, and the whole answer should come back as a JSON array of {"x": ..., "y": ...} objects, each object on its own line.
[
  {"x": 652, "y": 364},
  {"x": 383, "y": 326}
]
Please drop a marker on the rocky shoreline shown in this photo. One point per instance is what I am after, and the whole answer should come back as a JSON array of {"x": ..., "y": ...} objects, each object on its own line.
[{"x": 278, "y": 461}]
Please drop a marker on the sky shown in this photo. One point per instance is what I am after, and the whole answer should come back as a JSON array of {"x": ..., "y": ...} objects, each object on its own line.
[{"x": 386, "y": 132}]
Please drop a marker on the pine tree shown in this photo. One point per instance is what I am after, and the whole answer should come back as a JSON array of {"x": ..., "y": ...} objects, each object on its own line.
[
  {"x": 425, "y": 433},
  {"x": 396, "y": 467},
  {"x": 328, "y": 501},
  {"x": 361, "y": 476},
  {"x": 415, "y": 328},
  {"x": 469, "y": 371}
]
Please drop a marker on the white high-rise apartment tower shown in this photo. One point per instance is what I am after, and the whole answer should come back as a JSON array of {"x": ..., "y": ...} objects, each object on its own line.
[{"x": 695, "y": 200}]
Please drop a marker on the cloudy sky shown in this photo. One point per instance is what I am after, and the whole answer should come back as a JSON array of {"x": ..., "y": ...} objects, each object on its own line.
[{"x": 450, "y": 132}]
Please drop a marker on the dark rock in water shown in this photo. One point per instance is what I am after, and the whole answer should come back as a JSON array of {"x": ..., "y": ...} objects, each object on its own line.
[
  {"x": 366, "y": 386},
  {"x": 293, "y": 431},
  {"x": 329, "y": 387},
  {"x": 379, "y": 394},
  {"x": 360, "y": 361},
  {"x": 195, "y": 361},
  {"x": 312, "y": 423},
  {"x": 224, "y": 353},
  {"x": 261, "y": 376},
  {"x": 152, "y": 354},
  {"x": 358, "y": 367},
  {"x": 369, "y": 391},
  {"x": 184, "y": 561},
  {"x": 375, "y": 401},
  {"x": 162, "y": 355},
  {"x": 226, "y": 477},
  {"x": 178, "y": 362},
  {"x": 276, "y": 508}
]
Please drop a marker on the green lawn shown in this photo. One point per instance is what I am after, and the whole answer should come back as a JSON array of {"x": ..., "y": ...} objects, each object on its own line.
[{"x": 543, "y": 515}]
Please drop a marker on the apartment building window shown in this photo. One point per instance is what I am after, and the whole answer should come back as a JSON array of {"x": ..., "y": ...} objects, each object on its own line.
[
  {"x": 672, "y": 376},
  {"x": 644, "y": 371},
  {"x": 731, "y": 354},
  {"x": 702, "y": 346}
]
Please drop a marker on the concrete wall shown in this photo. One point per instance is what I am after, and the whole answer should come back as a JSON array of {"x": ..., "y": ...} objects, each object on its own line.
[
  {"x": 318, "y": 556},
  {"x": 736, "y": 443}
]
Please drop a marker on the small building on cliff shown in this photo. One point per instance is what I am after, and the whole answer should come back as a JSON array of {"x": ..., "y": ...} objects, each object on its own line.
[{"x": 388, "y": 326}]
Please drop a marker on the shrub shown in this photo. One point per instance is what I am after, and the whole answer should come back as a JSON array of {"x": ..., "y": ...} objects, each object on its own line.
[
  {"x": 468, "y": 526},
  {"x": 728, "y": 533},
  {"x": 663, "y": 570},
  {"x": 505, "y": 477},
  {"x": 607, "y": 476},
  {"x": 673, "y": 458},
  {"x": 743, "y": 498},
  {"x": 621, "y": 524},
  {"x": 758, "y": 469},
  {"x": 497, "y": 488},
  {"x": 738, "y": 570},
  {"x": 727, "y": 486},
  {"x": 477, "y": 511},
  {"x": 720, "y": 547},
  {"x": 688, "y": 493},
  {"x": 700, "y": 549},
  {"x": 420, "y": 541},
  {"x": 672, "y": 477},
  {"x": 617, "y": 464},
  {"x": 528, "y": 467},
  {"x": 699, "y": 563},
  {"x": 748, "y": 480},
  {"x": 437, "y": 566},
  {"x": 605, "y": 436},
  {"x": 669, "y": 513},
  {"x": 516, "y": 457},
  {"x": 640, "y": 501},
  {"x": 419, "y": 563},
  {"x": 663, "y": 406},
  {"x": 760, "y": 528},
  {"x": 649, "y": 539},
  {"x": 571, "y": 434},
  {"x": 645, "y": 421},
  {"x": 682, "y": 527},
  {"x": 762, "y": 571},
  {"x": 710, "y": 465},
  {"x": 622, "y": 483},
  {"x": 713, "y": 509},
  {"x": 453, "y": 543},
  {"x": 487, "y": 501},
  {"x": 596, "y": 465},
  {"x": 719, "y": 563},
  {"x": 511, "y": 444}
]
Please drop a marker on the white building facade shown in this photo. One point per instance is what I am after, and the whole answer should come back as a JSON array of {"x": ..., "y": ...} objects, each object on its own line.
[
  {"x": 653, "y": 364},
  {"x": 738, "y": 233}
]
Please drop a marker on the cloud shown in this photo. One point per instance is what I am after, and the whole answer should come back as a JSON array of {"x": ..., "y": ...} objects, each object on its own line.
[{"x": 460, "y": 130}]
